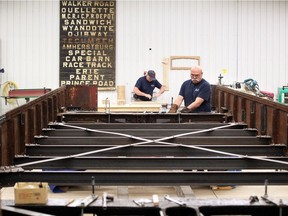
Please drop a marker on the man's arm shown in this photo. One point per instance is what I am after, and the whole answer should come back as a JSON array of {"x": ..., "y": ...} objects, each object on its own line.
[
  {"x": 140, "y": 93},
  {"x": 179, "y": 100},
  {"x": 161, "y": 91},
  {"x": 194, "y": 105}
]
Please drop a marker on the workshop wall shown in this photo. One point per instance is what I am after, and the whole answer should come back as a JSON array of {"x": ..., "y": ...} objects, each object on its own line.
[{"x": 239, "y": 39}]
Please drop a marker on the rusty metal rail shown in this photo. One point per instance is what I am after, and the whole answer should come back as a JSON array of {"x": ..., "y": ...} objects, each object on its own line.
[
  {"x": 20, "y": 125},
  {"x": 268, "y": 117}
]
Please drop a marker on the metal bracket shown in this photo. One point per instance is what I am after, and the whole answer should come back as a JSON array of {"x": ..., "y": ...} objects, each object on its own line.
[{"x": 7, "y": 169}]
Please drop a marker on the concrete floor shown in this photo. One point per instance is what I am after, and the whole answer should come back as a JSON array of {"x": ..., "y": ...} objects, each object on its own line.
[{"x": 203, "y": 192}]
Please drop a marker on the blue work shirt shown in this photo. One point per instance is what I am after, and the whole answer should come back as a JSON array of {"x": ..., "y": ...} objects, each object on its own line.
[
  {"x": 147, "y": 87},
  {"x": 190, "y": 91}
]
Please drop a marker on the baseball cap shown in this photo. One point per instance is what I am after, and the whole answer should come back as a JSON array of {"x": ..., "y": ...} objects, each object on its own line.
[{"x": 152, "y": 74}]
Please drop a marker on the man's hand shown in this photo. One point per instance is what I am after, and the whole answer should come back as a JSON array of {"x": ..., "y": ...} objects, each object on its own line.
[
  {"x": 148, "y": 96},
  {"x": 185, "y": 110}
]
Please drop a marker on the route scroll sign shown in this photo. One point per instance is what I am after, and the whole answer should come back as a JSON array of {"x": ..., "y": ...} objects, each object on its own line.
[{"x": 87, "y": 43}]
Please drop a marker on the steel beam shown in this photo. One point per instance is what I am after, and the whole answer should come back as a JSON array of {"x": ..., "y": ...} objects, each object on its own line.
[
  {"x": 154, "y": 163},
  {"x": 254, "y": 210},
  {"x": 129, "y": 209},
  {"x": 141, "y": 117},
  {"x": 18, "y": 211},
  {"x": 142, "y": 178},
  {"x": 156, "y": 150},
  {"x": 187, "y": 140},
  {"x": 192, "y": 125},
  {"x": 147, "y": 132}
]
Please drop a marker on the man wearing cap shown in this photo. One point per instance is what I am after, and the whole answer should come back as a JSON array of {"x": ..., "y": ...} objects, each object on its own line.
[
  {"x": 195, "y": 93},
  {"x": 145, "y": 85}
]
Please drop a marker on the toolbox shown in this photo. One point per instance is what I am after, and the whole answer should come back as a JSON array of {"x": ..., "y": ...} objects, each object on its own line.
[{"x": 31, "y": 193}]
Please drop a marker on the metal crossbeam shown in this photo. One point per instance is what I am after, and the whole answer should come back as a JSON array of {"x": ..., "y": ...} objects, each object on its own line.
[
  {"x": 154, "y": 163},
  {"x": 188, "y": 140},
  {"x": 150, "y": 126},
  {"x": 140, "y": 117},
  {"x": 142, "y": 178},
  {"x": 148, "y": 132},
  {"x": 156, "y": 150}
]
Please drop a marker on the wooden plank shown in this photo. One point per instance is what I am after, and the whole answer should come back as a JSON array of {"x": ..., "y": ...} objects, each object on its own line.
[{"x": 165, "y": 64}]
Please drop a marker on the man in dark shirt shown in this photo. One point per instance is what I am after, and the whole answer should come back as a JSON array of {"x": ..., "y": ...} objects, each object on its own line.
[
  {"x": 145, "y": 85},
  {"x": 195, "y": 92}
]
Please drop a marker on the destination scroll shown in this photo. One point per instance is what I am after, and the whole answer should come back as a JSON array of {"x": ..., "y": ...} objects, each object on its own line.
[{"x": 87, "y": 43}]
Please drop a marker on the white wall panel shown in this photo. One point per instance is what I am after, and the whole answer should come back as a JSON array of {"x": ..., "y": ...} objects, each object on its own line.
[
  {"x": 30, "y": 44},
  {"x": 174, "y": 28},
  {"x": 248, "y": 38},
  {"x": 282, "y": 37},
  {"x": 262, "y": 42}
]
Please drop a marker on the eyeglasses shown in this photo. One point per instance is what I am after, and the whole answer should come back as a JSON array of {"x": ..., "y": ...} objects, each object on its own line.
[{"x": 195, "y": 75}]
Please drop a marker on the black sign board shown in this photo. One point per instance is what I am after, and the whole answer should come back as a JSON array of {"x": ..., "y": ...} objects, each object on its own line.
[{"x": 87, "y": 43}]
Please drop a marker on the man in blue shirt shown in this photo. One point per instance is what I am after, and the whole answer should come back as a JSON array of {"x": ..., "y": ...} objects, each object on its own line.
[
  {"x": 195, "y": 92},
  {"x": 145, "y": 85}
]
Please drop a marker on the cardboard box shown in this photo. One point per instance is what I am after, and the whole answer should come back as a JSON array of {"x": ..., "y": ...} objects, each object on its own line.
[{"x": 31, "y": 193}]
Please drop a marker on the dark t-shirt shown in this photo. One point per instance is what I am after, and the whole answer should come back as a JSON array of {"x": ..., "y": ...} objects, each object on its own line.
[
  {"x": 191, "y": 91},
  {"x": 147, "y": 87}
]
